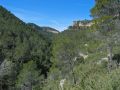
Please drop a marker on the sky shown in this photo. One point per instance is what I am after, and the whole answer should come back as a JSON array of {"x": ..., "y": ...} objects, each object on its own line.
[{"x": 58, "y": 14}]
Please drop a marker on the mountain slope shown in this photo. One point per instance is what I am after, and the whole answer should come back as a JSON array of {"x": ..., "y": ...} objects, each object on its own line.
[
  {"x": 46, "y": 29},
  {"x": 80, "y": 58},
  {"x": 19, "y": 45},
  {"x": 47, "y": 32}
]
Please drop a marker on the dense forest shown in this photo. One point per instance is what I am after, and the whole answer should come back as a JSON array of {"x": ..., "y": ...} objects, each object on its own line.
[
  {"x": 33, "y": 58},
  {"x": 24, "y": 53}
]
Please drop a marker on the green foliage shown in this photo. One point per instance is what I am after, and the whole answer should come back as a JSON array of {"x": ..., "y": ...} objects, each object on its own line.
[
  {"x": 28, "y": 76},
  {"x": 90, "y": 73},
  {"x": 47, "y": 32},
  {"x": 30, "y": 61},
  {"x": 19, "y": 44},
  {"x": 106, "y": 13},
  {"x": 66, "y": 47}
]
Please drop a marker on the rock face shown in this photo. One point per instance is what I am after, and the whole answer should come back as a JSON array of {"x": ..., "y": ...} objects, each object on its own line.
[
  {"x": 83, "y": 55},
  {"x": 6, "y": 68},
  {"x": 52, "y": 31},
  {"x": 81, "y": 24},
  {"x": 85, "y": 23}
]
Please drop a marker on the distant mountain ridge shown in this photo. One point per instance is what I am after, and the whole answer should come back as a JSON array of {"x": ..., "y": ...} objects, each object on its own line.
[
  {"x": 45, "y": 29},
  {"x": 47, "y": 32}
]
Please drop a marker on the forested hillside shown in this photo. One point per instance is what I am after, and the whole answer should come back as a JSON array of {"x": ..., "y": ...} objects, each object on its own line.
[
  {"x": 80, "y": 59},
  {"x": 24, "y": 54},
  {"x": 89, "y": 59}
]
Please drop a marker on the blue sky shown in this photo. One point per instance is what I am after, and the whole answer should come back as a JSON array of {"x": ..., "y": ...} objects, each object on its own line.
[{"x": 58, "y": 14}]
